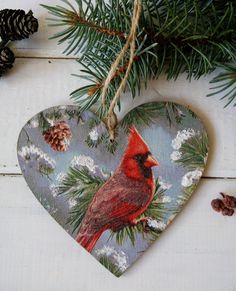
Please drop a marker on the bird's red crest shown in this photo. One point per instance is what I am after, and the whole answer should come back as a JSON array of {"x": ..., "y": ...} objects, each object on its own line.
[{"x": 136, "y": 144}]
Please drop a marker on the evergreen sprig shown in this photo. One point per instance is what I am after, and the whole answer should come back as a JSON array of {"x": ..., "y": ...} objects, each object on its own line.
[
  {"x": 194, "y": 151},
  {"x": 173, "y": 37},
  {"x": 148, "y": 113},
  {"x": 226, "y": 84},
  {"x": 45, "y": 120},
  {"x": 88, "y": 23},
  {"x": 184, "y": 197},
  {"x": 107, "y": 263},
  {"x": 144, "y": 114},
  {"x": 79, "y": 185},
  {"x": 193, "y": 156},
  {"x": 103, "y": 136}
]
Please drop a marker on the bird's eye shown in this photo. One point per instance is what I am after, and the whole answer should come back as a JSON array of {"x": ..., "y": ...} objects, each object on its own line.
[{"x": 138, "y": 157}]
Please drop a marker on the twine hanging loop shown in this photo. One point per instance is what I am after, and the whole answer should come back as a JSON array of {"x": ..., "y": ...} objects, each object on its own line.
[{"x": 111, "y": 119}]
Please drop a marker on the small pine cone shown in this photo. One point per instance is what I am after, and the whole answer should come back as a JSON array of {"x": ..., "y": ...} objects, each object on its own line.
[
  {"x": 16, "y": 24},
  {"x": 217, "y": 205},
  {"x": 58, "y": 136},
  {"x": 7, "y": 59},
  {"x": 227, "y": 211},
  {"x": 229, "y": 201}
]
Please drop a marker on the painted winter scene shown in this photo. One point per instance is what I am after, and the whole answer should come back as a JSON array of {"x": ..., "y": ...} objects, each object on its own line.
[{"x": 115, "y": 198}]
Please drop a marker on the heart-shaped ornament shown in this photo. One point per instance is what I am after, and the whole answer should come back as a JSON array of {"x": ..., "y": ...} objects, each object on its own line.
[{"x": 115, "y": 198}]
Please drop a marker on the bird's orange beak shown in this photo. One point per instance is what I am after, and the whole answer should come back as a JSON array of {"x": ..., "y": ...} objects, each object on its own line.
[{"x": 151, "y": 162}]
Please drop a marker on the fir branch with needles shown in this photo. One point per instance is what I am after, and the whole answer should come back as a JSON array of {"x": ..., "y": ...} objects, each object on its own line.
[
  {"x": 185, "y": 195},
  {"x": 107, "y": 263},
  {"x": 225, "y": 83},
  {"x": 194, "y": 151},
  {"x": 148, "y": 113},
  {"x": 144, "y": 114},
  {"x": 79, "y": 185},
  {"x": 173, "y": 37}
]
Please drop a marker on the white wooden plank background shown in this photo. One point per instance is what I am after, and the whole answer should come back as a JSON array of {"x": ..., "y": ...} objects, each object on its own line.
[{"x": 197, "y": 252}]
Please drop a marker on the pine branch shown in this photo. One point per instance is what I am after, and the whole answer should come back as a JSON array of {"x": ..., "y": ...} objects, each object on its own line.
[
  {"x": 98, "y": 128},
  {"x": 148, "y": 113},
  {"x": 105, "y": 140},
  {"x": 85, "y": 26},
  {"x": 96, "y": 66},
  {"x": 174, "y": 112},
  {"x": 173, "y": 37},
  {"x": 184, "y": 197},
  {"x": 54, "y": 115},
  {"x": 43, "y": 122},
  {"x": 195, "y": 38},
  {"x": 194, "y": 151},
  {"x": 80, "y": 186},
  {"x": 104, "y": 260},
  {"x": 144, "y": 114},
  {"x": 225, "y": 83}
]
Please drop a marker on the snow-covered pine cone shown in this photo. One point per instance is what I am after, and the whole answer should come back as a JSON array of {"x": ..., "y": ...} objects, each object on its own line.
[
  {"x": 58, "y": 136},
  {"x": 16, "y": 24},
  {"x": 7, "y": 59}
]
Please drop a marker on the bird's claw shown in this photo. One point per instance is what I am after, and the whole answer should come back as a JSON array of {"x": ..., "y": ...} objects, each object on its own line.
[{"x": 144, "y": 222}]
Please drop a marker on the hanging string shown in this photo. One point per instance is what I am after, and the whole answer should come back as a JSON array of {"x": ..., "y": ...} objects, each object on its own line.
[{"x": 111, "y": 118}]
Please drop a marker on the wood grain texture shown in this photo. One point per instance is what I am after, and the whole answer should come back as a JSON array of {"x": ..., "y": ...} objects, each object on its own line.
[{"x": 197, "y": 252}]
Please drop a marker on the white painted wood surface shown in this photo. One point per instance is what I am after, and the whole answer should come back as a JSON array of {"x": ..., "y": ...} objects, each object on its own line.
[{"x": 197, "y": 252}]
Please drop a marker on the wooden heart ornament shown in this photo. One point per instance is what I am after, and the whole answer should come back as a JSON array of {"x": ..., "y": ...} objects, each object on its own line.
[{"x": 115, "y": 198}]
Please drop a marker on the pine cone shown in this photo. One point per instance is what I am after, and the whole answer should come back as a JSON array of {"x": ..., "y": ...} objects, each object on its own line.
[
  {"x": 7, "y": 59},
  {"x": 58, "y": 136},
  {"x": 16, "y": 24},
  {"x": 229, "y": 201},
  {"x": 217, "y": 205},
  {"x": 227, "y": 211}
]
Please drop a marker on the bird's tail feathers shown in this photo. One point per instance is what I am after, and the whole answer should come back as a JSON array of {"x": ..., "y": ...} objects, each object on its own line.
[{"x": 88, "y": 241}]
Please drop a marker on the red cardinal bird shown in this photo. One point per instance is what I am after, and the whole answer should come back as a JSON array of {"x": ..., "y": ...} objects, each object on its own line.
[{"x": 124, "y": 196}]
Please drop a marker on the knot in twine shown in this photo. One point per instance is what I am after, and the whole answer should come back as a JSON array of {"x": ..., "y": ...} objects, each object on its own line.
[{"x": 111, "y": 119}]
